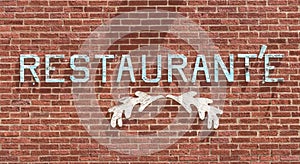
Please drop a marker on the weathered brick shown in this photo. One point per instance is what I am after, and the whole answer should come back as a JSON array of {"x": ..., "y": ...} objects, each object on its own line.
[{"x": 40, "y": 123}]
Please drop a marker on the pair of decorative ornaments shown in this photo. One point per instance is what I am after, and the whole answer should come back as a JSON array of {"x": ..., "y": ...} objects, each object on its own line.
[{"x": 186, "y": 100}]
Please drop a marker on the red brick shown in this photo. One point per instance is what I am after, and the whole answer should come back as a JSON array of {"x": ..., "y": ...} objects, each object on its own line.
[{"x": 39, "y": 121}]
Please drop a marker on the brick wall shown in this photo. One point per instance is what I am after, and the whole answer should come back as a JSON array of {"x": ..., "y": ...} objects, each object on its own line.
[{"x": 39, "y": 121}]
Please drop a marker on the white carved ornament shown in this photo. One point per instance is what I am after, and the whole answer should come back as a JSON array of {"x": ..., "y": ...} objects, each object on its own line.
[{"x": 186, "y": 100}]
